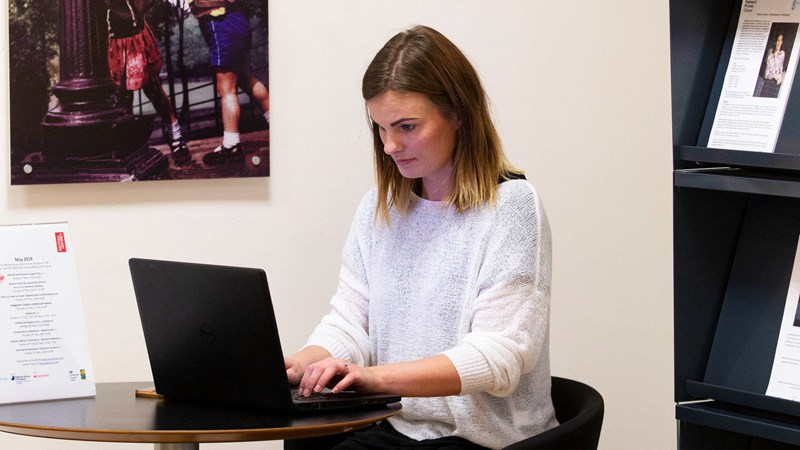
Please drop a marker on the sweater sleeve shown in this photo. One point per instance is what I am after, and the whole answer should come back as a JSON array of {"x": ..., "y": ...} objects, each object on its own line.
[
  {"x": 344, "y": 330},
  {"x": 509, "y": 322}
]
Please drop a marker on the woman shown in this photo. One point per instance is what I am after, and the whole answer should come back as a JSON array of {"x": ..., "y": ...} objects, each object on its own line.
[
  {"x": 444, "y": 290},
  {"x": 134, "y": 63},
  {"x": 773, "y": 73}
]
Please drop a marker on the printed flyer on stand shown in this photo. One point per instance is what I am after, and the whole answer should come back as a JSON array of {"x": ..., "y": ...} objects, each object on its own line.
[
  {"x": 784, "y": 381},
  {"x": 44, "y": 351},
  {"x": 759, "y": 77}
]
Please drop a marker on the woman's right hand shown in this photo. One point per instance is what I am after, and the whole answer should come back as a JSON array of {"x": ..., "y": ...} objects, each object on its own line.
[
  {"x": 294, "y": 370},
  {"x": 297, "y": 363}
]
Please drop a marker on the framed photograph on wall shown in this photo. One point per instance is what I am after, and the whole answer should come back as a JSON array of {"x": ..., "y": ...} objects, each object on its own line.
[{"x": 135, "y": 90}]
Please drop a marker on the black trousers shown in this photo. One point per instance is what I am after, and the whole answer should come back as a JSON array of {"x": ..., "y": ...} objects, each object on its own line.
[
  {"x": 380, "y": 437},
  {"x": 770, "y": 89}
]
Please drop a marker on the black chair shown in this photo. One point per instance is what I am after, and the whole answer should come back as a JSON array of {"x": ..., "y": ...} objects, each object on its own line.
[{"x": 579, "y": 410}]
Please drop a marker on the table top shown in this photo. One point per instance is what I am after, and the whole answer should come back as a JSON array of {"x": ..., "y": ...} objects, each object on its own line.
[{"x": 116, "y": 414}]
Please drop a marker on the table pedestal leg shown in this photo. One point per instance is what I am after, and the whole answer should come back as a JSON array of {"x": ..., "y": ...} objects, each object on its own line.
[{"x": 180, "y": 446}]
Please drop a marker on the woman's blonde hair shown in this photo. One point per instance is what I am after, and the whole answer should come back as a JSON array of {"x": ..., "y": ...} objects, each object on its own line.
[{"x": 424, "y": 61}]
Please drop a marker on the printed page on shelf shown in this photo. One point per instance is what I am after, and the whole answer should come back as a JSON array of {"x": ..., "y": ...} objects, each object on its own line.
[
  {"x": 44, "y": 351},
  {"x": 758, "y": 77},
  {"x": 784, "y": 381}
]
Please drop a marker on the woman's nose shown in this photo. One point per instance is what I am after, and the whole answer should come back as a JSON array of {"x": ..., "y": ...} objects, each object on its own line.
[{"x": 391, "y": 144}]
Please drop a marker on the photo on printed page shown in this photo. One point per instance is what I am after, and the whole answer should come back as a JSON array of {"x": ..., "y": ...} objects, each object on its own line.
[
  {"x": 775, "y": 61},
  {"x": 135, "y": 90}
]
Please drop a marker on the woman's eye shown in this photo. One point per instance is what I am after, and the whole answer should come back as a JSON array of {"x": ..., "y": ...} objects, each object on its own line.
[{"x": 407, "y": 127}]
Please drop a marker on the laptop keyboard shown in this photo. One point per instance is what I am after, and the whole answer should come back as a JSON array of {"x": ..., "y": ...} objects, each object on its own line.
[
  {"x": 297, "y": 396},
  {"x": 325, "y": 394},
  {"x": 345, "y": 399}
]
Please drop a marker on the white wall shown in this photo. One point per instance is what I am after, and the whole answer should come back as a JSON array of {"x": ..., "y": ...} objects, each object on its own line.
[{"x": 581, "y": 97}]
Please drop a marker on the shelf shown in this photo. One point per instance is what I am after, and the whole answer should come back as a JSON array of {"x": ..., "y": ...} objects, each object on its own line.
[
  {"x": 748, "y": 181},
  {"x": 740, "y": 420},
  {"x": 754, "y": 400},
  {"x": 763, "y": 160}
]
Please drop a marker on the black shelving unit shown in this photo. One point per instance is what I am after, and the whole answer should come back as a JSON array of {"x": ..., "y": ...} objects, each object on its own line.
[{"x": 736, "y": 226}]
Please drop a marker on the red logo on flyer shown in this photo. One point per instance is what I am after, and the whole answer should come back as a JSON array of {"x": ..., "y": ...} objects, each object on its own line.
[{"x": 61, "y": 245}]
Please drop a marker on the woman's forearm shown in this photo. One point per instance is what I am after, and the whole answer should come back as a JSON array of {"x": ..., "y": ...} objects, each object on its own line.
[{"x": 435, "y": 376}]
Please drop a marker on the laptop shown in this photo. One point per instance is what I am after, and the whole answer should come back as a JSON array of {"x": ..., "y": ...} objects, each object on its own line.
[{"x": 211, "y": 336}]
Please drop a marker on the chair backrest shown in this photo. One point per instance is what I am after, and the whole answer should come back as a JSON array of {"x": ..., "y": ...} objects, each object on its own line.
[{"x": 579, "y": 410}]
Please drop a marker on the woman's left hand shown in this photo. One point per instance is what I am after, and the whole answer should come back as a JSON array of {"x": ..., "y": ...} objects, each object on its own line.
[{"x": 337, "y": 374}]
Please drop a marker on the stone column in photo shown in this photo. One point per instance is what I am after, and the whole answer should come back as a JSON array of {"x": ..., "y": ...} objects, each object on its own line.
[{"x": 87, "y": 137}]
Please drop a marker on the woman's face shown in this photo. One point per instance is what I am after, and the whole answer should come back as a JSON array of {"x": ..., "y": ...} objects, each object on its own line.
[
  {"x": 778, "y": 42},
  {"x": 418, "y": 137}
]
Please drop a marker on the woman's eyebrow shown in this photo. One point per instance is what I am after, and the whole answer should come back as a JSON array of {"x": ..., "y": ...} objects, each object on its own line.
[{"x": 399, "y": 121}]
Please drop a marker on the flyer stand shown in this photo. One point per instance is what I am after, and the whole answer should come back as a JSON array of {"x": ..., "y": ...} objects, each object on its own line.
[
  {"x": 44, "y": 352},
  {"x": 736, "y": 228}
]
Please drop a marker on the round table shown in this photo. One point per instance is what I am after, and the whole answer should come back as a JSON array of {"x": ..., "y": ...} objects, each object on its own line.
[{"x": 116, "y": 414}]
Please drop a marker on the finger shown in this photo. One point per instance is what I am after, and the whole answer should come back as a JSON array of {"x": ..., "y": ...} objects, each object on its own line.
[
  {"x": 327, "y": 375},
  {"x": 309, "y": 380},
  {"x": 343, "y": 384}
]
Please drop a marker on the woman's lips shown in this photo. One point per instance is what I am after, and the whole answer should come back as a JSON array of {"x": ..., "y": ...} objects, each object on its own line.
[{"x": 404, "y": 162}]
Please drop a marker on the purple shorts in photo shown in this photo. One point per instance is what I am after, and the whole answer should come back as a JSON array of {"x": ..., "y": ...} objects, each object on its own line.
[{"x": 228, "y": 38}]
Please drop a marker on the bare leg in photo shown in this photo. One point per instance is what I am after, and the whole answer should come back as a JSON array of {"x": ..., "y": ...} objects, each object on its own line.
[
  {"x": 231, "y": 149},
  {"x": 254, "y": 87},
  {"x": 155, "y": 92},
  {"x": 227, "y": 83}
]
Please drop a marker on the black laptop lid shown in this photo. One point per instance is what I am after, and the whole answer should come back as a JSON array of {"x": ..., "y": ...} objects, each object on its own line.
[{"x": 211, "y": 333}]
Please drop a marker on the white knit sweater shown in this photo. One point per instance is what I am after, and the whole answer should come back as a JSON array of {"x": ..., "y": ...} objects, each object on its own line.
[{"x": 474, "y": 286}]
